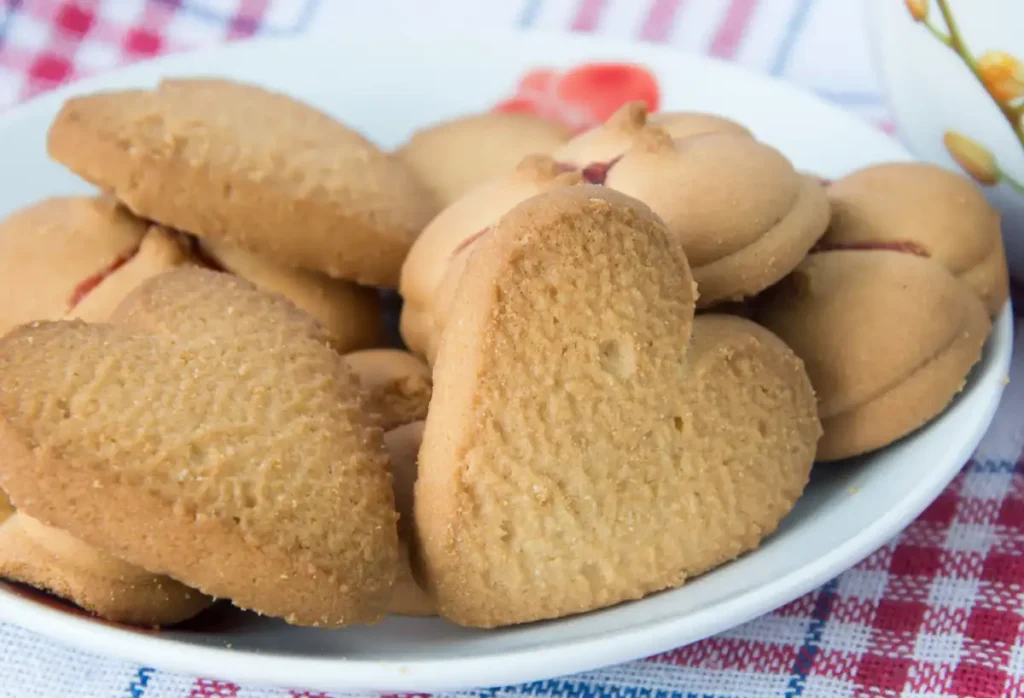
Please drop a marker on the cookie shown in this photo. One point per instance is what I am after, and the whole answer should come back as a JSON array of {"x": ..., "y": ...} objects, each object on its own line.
[
  {"x": 448, "y": 234},
  {"x": 60, "y": 249},
  {"x": 398, "y": 383},
  {"x": 252, "y": 168},
  {"x": 588, "y": 441},
  {"x": 219, "y": 415},
  {"x": 888, "y": 339},
  {"x": 160, "y": 250},
  {"x": 350, "y": 313},
  {"x": 604, "y": 143},
  {"x": 453, "y": 156},
  {"x": 403, "y": 444},
  {"x": 744, "y": 215},
  {"x": 928, "y": 210},
  {"x": 55, "y": 561}
]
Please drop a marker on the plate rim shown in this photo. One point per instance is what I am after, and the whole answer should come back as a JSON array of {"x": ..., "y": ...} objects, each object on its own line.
[{"x": 522, "y": 664}]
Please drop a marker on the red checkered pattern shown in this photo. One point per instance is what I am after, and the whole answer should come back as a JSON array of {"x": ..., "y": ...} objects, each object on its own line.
[
  {"x": 46, "y": 43},
  {"x": 937, "y": 612}
]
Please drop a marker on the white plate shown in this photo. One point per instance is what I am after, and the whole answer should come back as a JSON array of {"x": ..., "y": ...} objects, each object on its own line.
[{"x": 386, "y": 86}]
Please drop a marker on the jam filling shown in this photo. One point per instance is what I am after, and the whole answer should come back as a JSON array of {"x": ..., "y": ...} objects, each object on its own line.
[
  {"x": 89, "y": 284},
  {"x": 468, "y": 242},
  {"x": 907, "y": 246}
]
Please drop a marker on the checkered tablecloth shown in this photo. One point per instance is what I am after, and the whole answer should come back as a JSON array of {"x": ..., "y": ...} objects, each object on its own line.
[{"x": 936, "y": 612}]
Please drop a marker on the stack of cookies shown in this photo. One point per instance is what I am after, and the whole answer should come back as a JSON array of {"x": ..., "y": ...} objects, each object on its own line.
[{"x": 623, "y": 352}]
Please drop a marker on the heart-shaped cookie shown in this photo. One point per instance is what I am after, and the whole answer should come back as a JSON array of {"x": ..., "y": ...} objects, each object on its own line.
[
  {"x": 251, "y": 167},
  {"x": 928, "y": 210},
  {"x": 212, "y": 435},
  {"x": 588, "y": 442},
  {"x": 49, "y": 558}
]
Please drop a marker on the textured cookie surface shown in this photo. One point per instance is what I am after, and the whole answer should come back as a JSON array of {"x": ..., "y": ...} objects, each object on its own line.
[
  {"x": 51, "y": 248},
  {"x": 888, "y": 339},
  {"x": 399, "y": 384},
  {"x": 928, "y": 210},
  {"x": 573, "y": 456},
  {"x": 452, "y": 157},
  {"x": 218, "y": 415},
  {"x": 449, "y": 234},
  {"x": 259, "y": 170},
  {"x": 349, "y": 312},
  {"x": 51, "y": 559}
]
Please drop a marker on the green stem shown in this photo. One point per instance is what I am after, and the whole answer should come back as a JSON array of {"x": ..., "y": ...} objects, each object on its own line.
[
  {"x": 956, "y": 42},
  {"x": 937, "y": 34},
  {"x": 1013, "y": 182}
]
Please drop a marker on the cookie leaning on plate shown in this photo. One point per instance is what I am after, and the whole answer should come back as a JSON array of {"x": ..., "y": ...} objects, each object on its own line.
[
  {"x": 270, "y": 488},
  {"x": 249, "y": 167},
  {"x": 587, "y": 443}
]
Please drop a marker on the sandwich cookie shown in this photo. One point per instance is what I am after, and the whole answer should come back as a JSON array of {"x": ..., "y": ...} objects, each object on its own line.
[
  {"x": 452, "y": 157},
  {"x": 927, "y": 210},
  {"x": 448, "y": 235},
  {"x": 259, "y": 170},
  {"x": 744, "y": 215},
  {"x": 888, "y": 339},
  {"x": 218, "y": 414},
  {"x": 598, "y": 147},
  {"x": 78, "y": 256},
  {"x": 588, "y": 442}
]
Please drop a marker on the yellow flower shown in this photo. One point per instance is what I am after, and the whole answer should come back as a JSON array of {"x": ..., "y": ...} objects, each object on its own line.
[
  {"x": 1002, "y": 74},
  {"x": 974, "y": 158},
  {"x": 918, "y": 9}
]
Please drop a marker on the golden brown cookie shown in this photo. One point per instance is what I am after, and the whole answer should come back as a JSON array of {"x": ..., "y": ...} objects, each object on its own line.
[
  {"x": 55, "y": 561},
  {"x": 217, "y": 414},
  {"x": 398, "y": 383},
  {"x": 63, "y": 249},
  {"x": 579, "y": 452},
  {"x": 160, "y": 250},
  {"x": 449, "y": 233},
  {"x": 403, "y": 443},
  {"x": 888, "y": 339},
  {"x": 618, "y": 134},
  {"x": 452, "y": 157},
  {"x": 745, "y": 217},
  {"x": 349, "y": 312},
  {"x": 250, "y": 167},
  {"x": 926, "y": 209}
]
